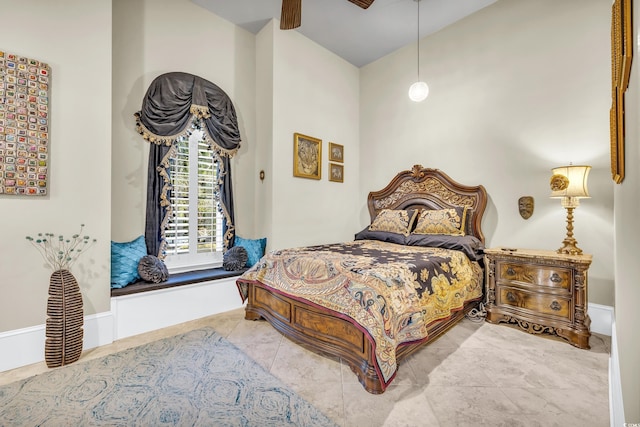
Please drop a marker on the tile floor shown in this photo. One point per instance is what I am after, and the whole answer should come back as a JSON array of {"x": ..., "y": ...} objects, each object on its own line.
[{"x": 477, "y": 374}]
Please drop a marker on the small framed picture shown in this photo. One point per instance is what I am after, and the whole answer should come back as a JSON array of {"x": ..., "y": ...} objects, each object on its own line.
[
  {"x": 336, "y": 172},
  {"x": 336, "y": 153},
  {"x": 307, "y": 156}
]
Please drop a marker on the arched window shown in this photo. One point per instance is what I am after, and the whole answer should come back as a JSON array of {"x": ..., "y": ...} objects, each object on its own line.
[{"x": 193, "y": 130}]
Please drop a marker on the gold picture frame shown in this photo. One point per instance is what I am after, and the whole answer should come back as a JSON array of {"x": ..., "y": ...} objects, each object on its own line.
[
  {"x": 336, "y": 152},
  {"x": 621, "y": 56},
  {"x": 336, "y": 172},
  {"x": 307, "y": 156}
]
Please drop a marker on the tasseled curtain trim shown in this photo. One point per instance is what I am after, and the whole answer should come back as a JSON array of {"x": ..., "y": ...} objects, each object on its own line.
[
  {"x": 168, "y": 140},
  {"x": 200, "y": 111},
  {"x": 165, "y": 204},
  {"x": 230, "y": 232},
  {"x": 152, "y": 137}
]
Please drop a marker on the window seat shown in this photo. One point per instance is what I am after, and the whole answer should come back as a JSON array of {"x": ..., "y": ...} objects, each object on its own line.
[
  {"x": 142, "y": 306},
  {"x": 177, "y": 279}
]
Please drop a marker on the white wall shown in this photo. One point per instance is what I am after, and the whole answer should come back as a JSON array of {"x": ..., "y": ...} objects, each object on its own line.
[
  {"x": 263, "y": 217},
  {"x": 315, "y": 93},
  {"x": 74, "y": 38},
  {"x": 517, "y": 88},
  {"x": 627, "y": 236},
  {"x": 150, "y": 41}
]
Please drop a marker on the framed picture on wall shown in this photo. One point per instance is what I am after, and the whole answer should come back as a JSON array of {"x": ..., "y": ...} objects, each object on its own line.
[
  {"x": 621, "y": 56},
  {"x": 24, "y": 125},
  {"x": 336, "y": 152},
  {"x": 336, "y": 172},
  {"x": 307, "y": 156}
]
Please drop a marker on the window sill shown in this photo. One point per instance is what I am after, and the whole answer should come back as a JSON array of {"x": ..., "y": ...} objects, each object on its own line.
[{"x": 177, "y": 279}]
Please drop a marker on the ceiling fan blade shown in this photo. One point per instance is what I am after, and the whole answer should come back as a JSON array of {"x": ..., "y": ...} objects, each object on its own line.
[
  {"x": 362, "y": 3},
  {"x": 291, "y": 13}
]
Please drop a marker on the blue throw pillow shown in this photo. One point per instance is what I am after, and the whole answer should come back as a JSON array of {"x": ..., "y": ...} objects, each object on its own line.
[
  {"x": 254, "y": 247},
  {"x": 124, "y": 261}
]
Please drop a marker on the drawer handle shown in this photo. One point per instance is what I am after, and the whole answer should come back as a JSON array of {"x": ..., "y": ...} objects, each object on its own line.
[
  {"x": 555, "y": 306},
  {"x": 511, "y": 297},
  {"x": 555, "y": 278},
  {"x": 511, "y": 271}
]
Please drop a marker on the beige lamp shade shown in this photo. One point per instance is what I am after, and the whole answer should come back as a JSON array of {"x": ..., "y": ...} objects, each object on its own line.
[{"x": 570, "y": 181}]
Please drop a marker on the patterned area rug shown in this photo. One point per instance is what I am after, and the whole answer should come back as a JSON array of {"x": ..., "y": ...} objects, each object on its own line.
[{"x": 194, "y": 379}]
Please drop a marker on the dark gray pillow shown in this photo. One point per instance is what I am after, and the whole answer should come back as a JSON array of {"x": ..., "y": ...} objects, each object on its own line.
[
  {"x": 383, "y": 236},
  {"x": 235, "y": 258},
  {"x": 471, "y": 246},
  {"x": 152, "y": 269}
]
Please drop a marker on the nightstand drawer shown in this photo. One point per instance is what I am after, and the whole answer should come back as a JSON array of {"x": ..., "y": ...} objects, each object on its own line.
[
  {"x": 535, "y": 275},
  {"x": 534, "y": 302}
]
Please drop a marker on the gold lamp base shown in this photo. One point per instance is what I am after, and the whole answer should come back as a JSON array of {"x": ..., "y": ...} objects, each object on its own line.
[
  {"x": 569, "y": 244},
  {"x": 569, "y": 247}
]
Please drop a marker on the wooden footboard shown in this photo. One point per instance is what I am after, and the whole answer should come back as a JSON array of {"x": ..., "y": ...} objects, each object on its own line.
[{"x": 324, "y": 333}]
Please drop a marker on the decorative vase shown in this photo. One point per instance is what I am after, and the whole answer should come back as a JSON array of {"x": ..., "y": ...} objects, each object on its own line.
[{"x": 65, "y": 320}]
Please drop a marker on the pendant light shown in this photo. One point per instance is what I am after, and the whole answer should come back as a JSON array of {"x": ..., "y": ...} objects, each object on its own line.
[{"x": 418, "y": 91}]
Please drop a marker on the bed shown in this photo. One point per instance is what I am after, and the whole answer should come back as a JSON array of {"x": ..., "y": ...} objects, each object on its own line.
[{"x": 377, "y": 299}]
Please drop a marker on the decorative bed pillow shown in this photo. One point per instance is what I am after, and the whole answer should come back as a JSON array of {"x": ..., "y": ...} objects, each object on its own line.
[
  {"x": 125, "y": 257},
  {"x": 383, "y": 236},
  {"x": 470, "y": 245},
  {"x": 254, "y": 247},
  {"x": 235, "y": 258},
  {"x": 394, "y": 221},
  {"x": 443, "y": 221},
  {"x": 152, "y": 269}
]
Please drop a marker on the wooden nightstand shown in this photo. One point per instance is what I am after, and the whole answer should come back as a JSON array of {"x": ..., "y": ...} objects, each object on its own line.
[{"x": 540, "y": 291}]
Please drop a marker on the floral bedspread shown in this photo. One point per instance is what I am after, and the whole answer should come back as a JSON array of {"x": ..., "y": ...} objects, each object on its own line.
[{"x": 393, "y": 291}]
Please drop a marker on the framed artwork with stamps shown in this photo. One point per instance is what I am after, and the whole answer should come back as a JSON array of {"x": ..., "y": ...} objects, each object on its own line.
[{"x": 24, "y": 125}]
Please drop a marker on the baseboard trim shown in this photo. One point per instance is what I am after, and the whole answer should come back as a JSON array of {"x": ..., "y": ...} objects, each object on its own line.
[
  {"x": 616, "y": 406},
  {"x": 28, "y": 343},
  {"x": 601, "y": 318}
]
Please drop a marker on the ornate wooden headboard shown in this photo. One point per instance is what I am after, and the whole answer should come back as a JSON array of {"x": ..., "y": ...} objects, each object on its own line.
[{"x": 424, "y": 188}]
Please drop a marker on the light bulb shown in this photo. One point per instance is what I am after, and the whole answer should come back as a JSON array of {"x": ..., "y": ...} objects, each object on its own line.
[{"x": 418, "y": 91}]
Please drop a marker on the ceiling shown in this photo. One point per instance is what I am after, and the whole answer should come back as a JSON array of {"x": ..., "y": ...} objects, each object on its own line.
[{"x": 359, "y": 36}]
